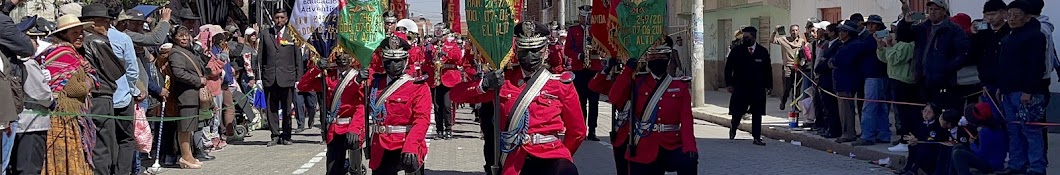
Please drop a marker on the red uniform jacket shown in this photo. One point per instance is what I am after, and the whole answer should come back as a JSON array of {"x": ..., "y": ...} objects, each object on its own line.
[
  {"x": 600, "y": 83},
  {"x": 351, "y": 102},
  {"x": 576, "y": 46},
  {"x": 556, "y": 60},
  {"x": 417, "y": 59},
  {"x": 674, "y": 108},
  {"x": 553, "y": 112},
  {"x": 470, "y": 68},
  {"x": 409, "y": 105}
]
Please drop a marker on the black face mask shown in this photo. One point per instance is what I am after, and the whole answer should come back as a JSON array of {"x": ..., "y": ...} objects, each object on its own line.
[
  {"x": 658, "y": 66},
  {"x": 530, "y": 59},
  {"x": 394, "y": 67}
]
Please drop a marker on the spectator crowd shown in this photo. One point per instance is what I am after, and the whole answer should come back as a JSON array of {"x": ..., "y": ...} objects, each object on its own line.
[{"x": 965, "y": 95}]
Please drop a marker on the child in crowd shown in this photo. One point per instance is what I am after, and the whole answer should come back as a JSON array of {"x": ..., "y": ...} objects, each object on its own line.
[
  {"x": 981, "y": 142},
  {"x": 924, "y": 143}
]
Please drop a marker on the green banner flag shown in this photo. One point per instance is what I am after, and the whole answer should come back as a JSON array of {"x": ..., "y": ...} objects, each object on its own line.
[
  {"x": 643, "y": 23},
  {"x": 361, "y": 28},
  {"x": 490, "y": 24}
]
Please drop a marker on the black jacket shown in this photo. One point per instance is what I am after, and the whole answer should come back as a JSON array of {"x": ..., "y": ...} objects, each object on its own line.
[
  {"x": 1022, "y": 55},
  {"x": 280, "y": 63},
  {"x": 938, "y": 56},
  {"x": 986, "y": 49},
  {"x": 108, "y": 66},
  {"x": 746, "y": 70}
]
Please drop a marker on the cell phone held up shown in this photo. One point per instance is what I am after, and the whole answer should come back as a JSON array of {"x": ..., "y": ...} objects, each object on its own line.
[
  {"x": 780, "y": 30},
  {"x": 979, "y": 24}
]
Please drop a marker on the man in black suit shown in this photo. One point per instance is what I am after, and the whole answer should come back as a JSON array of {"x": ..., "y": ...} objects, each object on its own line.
[
  {"x": 279, "y": 67},
  {"x": 749, "y": 77}
]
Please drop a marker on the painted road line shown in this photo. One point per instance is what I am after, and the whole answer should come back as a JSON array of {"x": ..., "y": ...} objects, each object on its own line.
[{"x": 312, "y": 161}]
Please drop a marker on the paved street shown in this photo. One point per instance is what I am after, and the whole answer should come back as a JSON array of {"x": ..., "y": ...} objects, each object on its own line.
[{"x": 463, "y": 155}]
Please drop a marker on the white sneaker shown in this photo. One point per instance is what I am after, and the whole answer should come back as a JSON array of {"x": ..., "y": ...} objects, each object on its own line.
[{"x": 899, "y": 148}]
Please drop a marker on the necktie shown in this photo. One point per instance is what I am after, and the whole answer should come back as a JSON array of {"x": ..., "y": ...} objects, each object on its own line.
[{"x": 751, "y": 50}]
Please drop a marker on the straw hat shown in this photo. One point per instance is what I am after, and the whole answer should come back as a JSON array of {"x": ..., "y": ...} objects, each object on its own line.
[{"x": 67, "y": 22}]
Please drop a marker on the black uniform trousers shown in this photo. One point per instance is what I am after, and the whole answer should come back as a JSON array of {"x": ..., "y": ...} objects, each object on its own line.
[
  {"x": 279, "y": 98},
  {"x": 539, "y": 166},
  {"x": 391, "y": 164},
  {"x": 619, "y": 152},
  {"x": 486, "y": 125},
  {"x": 442, "y": 105},
  {"x": 748, "y": 100},
  {"x": 590, "y": 100},
  {"x": 336, "y": 155},
  {"x": 667, "y": 160},
  {"x": 115, "y": 146}
]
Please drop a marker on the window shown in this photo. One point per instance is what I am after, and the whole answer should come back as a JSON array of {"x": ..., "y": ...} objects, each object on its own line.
[
  {"x": 725, "y": 37},
  {"x": 833, "y": 14},
  {"x": 762, "y": 24}
]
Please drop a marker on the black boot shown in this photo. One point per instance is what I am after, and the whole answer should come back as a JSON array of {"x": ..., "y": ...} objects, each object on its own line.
[
  {"x": 732, "y": 133},
  {"x": 592, "y": 136}
]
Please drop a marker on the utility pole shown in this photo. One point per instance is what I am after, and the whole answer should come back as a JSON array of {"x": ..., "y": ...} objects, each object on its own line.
[
  {"x": 562, "y": 13},
  {"x": 698, "y": 95}
]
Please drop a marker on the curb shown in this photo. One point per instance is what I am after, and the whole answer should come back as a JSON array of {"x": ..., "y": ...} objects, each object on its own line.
[{"x": 808, "y": 140}]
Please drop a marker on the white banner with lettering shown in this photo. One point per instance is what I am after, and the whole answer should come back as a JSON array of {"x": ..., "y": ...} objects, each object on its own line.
[{"x": 310, "y": 15}]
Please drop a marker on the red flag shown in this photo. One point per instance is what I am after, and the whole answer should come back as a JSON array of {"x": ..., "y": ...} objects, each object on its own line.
[
  {"x": 454, "y": 15},
  {"x": 604, "y": 20},
  {"x": 398, "y": 6}
]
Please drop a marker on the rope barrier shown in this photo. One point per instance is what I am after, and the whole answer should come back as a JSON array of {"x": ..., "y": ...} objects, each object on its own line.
[
  {"x": 127, "y": 118},
  {"x": 870, "y": 100}
]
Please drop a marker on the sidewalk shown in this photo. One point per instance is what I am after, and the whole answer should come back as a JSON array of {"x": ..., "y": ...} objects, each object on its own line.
[{"x": 775, "y": 125}]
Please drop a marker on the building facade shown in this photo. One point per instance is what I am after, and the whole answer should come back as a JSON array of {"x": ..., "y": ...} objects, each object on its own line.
[{"x": 721, "y": 18}]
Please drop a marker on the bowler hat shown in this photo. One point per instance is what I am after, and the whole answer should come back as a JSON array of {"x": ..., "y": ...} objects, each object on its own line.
[
  {"x": 186, "y": 13},
  {"x": 849, "y": 26},
  {"x": 95, "y": 10}
]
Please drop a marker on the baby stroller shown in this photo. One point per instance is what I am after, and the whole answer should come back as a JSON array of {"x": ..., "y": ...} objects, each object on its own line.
[{"x": 247, "y": 106}]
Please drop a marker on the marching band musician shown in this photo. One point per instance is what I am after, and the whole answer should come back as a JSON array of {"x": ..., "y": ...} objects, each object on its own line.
[
  {"x": 390, "y": 21},
  {"x": 400, "y": 109},
  {"x": 535, "y": 107},
  {"x": 408, "y": 30},
  {"x": 448, "y": 66},
  {"x": 557, "y": 62},
  {"x": 583, "y": 64},
  {"x": 345, "y": 103},
  {"x": 662, "y": 138},
  {"x": 602, "y": 83}
]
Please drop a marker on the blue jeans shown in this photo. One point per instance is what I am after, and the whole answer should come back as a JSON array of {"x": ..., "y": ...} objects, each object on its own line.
[
  {"x": 875, "y": 117},
  {"x": 1026, "y": 143},
  {"x": 8, "y": 143}
]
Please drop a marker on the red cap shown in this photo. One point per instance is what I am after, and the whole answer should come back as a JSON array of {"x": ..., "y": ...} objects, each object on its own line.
[
  {"x": 964, "y": 21},
  {"x": 982, "y": 111}
]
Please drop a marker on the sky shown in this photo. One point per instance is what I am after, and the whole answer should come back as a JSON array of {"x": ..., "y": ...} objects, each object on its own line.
[{"x": 430, "y": 9}]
